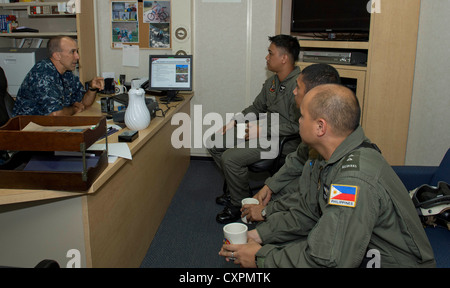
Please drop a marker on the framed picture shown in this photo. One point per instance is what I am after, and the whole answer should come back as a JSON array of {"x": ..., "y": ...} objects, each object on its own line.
[
  {"x": 157, "y": 12},
  {"x": 158, "y": 15},
  {"x": 146, "y": 24},
  {"x": 124, "y": 22}
]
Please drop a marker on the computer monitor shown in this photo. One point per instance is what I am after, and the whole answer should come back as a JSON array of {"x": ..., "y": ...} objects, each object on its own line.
[{"x": 170, "y": 74}]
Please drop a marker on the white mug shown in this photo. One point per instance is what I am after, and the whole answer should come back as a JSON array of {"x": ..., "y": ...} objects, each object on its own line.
[
  {"x": 120, "y": 89},
  {"x": 235, "y": 233},
  {"x": 240, "y": 128},
  {"x": 248, "y": 201}
]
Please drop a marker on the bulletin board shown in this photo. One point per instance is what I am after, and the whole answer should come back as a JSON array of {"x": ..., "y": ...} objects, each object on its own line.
[{"x": 146, "y": 24}]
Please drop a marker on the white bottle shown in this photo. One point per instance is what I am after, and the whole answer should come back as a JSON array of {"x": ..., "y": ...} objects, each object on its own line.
[{"x": 137, "y": 116}]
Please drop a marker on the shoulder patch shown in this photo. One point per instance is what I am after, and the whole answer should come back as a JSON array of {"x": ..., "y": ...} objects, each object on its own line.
[
  {"x": 351, "y": 162},
  {"x": 343, "y": 195},
  {"x": 274, "y": 87}
]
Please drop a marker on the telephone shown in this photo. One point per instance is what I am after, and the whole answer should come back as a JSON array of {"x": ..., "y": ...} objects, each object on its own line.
[
  {"x": 138, "y": 82},
  {"x": 146, "y": 85}
]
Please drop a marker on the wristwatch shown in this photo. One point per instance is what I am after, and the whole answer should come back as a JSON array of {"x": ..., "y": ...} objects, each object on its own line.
[
  {"x": 264, "y": 213},
  {"x": 94, "y": 89}
]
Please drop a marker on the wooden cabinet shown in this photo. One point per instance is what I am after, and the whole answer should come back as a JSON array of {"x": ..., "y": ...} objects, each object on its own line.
[
  {"x": 385, "y": 86},
  {"x": 86, "y": 41},
  {"x": 80, "y": 26},
  {"x": 390, "y": 76}
]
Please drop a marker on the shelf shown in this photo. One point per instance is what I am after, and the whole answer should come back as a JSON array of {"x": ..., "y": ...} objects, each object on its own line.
[
  {"x": 79, "y": 26},
  {"x": 30, "y": 21},
  {"x": 337, "y": 66},
  {"x": 24, "y": 5},
  {"x": 37, "y": 35},
  {"x": 334, "y": 44}
]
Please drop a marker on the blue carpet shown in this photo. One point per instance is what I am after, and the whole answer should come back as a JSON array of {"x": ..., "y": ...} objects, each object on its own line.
[{"x": 189, "y": 236}]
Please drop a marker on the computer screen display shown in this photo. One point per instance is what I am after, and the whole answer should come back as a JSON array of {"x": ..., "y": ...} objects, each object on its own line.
[{"x": 171, "y": 73}]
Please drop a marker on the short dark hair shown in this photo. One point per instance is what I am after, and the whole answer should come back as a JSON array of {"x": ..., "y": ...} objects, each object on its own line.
[
  {"x": 289, "y": 44},
  {"x": 318, "y": 74},
  {"x": 54, "y": 44}
]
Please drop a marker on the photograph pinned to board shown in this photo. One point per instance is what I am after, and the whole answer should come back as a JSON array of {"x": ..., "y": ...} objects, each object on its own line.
[
  {"x": 124, "y": 20},
  {"x": 158, "y": 15},
  {"x": 157, "y": 12}
]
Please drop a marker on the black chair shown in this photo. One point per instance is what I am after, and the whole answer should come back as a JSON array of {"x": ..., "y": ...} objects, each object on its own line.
[
  {"x": 9, "y": 104},
  {"x": 6, "y": 101},
  {"x": 6, "y": 107},
  {"x": 265, "y": 165},
  {"x": 273, "y": 165},
  {"x": 47, "y": 264}
]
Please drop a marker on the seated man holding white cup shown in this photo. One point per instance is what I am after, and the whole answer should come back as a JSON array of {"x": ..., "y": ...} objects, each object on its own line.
[
  {"x": 277, "y": 102},
  {"x": 284, "y": 182}
]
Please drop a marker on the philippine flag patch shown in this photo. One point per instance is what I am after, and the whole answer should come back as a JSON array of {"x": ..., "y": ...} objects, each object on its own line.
[{"x": 343, "y": 195}]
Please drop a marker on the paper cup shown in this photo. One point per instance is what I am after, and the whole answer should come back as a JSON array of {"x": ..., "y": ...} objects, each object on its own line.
[
  {"x": 240, "y": 128},
  {"x": 248, "y": 201},
  {"x": 235, "y": 233}
]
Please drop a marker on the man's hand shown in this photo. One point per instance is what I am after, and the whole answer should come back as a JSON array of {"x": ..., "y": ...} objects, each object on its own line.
[
  {"x": 243, "y": 254},
  {"x": 227, "y": 127},
  {"x": 78, "y": 107},
  {"x": 264, "y": 195},
  {"x": 253, "y": 131},
  {"x": 89, "y": 97},
  {"x": 254, "y": 235},
  {"x": 252, "y": 212},
  {"x": 97, "y": 83}
]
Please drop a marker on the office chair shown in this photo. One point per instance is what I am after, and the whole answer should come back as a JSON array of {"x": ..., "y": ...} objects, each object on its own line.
[
  {"x": 47, "y": 263},
  {"x": 9, "y": 104},
  {"x": 273, "y": 165},
  {"x": 6, "y": 101},
  {"x": 6, "y": 107}
]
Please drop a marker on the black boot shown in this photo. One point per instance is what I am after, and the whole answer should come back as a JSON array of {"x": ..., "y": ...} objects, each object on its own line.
[
  {"x": 225, "y": 198},
  {"x": 229, "y": 214}
]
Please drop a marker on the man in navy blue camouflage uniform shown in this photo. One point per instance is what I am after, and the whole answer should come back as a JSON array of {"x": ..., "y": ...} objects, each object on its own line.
[{"x": 50, "y": 88}]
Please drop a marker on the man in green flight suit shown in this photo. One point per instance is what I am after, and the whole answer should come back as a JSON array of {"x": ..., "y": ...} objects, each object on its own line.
[
  {"x": 285, "y": 180},
  {"x": 277, "y": 101},
  {"x": 351, "y": 205}
]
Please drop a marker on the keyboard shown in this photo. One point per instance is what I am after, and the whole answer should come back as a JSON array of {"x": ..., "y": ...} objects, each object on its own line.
[{"x": 123, "y": 99}]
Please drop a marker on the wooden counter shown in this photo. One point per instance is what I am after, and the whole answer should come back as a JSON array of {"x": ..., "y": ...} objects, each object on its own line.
[{"x": 121, "y": 211}]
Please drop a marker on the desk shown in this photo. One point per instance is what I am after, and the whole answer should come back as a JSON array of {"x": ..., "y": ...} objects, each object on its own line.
[{"x": 110, "y": 225}]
